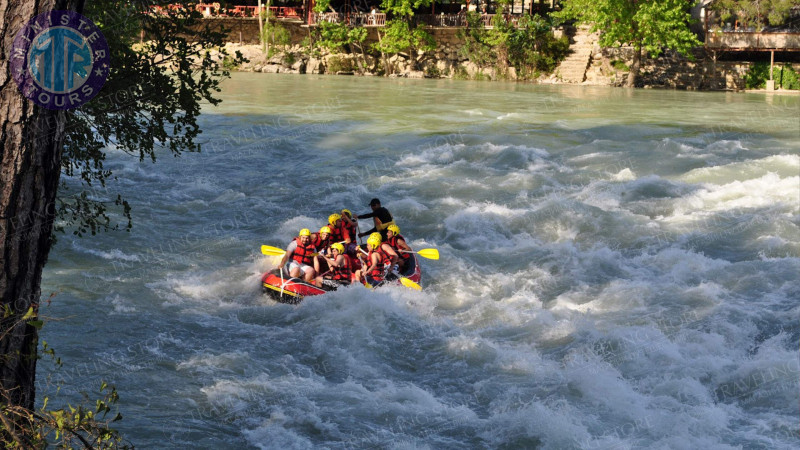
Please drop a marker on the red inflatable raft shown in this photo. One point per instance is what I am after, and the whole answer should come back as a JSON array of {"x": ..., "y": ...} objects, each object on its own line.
[{"x": 285, "y": 289}]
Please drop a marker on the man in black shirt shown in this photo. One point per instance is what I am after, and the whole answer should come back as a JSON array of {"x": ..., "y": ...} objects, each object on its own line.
[{"x": 380, "y": 215}]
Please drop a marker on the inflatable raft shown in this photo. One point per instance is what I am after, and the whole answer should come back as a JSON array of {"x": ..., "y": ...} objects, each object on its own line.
[{"x": 285, "y": 289}]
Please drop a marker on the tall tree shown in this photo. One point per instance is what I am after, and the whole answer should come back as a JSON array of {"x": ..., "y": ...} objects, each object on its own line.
[
  {"x": 401, "y": 34},
  {"x": 649, "y": 25},
  {"x": 151, "y": 100},
  {"x": 755, "y": 13},
  {"x": 31, "y": 140}
]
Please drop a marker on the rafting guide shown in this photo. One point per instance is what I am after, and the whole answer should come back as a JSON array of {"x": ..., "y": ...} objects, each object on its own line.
[
  {"x": 316, "y": 263},
  {"x": 380, "y": 216},
  {"x": 59, "y": 60}
]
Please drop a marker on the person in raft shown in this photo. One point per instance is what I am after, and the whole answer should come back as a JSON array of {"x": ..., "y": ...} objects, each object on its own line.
[
  {"x": 380, "y": 216},
  {"x": 339, "y": 232},
  {"x": 323, "y": 239},
  {"x": 398, "y": 244},
  {"x": 377, "y": 264},
  {"x": 351, "y": 225},
  {"x": 300, "y": 256},
  {"x": 340, "y": 271}
]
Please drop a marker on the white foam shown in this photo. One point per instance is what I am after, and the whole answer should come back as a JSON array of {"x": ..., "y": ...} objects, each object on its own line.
[{"x": 625, "y": 174}]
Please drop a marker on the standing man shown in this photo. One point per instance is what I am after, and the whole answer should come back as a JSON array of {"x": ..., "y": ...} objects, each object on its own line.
[{"x": 380, "y": 216}]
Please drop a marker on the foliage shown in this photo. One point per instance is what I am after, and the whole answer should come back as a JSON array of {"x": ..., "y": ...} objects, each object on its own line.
[
  {"x": 404, "y": 8},
  {"x": 644, "y": 24},
  {"x": 276, "y": 35},
  {"x": 339, "y": 64},
  {"x": 785, "y": 77},
  {"x": 529, "y": 47},
  {"x": 333, "y": 36},
  {"x": 477, "y": 46},
  {"x": 67, "y": 427},
  {"x": 433, "y": 71},
  {"x": 756, "y": 14},
  {"x": 620, "y": 65},
  {"x": 151, "y": 100},
  {"x": 321, "y": 6},
  {"x": 532, "y": 46},
  {"x": 400, "y": 37}
]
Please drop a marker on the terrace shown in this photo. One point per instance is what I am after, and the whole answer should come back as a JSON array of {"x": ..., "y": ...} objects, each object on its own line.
[{"x": 442, "y": 13}]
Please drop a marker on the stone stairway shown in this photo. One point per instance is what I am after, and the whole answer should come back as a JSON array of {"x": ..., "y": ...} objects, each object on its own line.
[{"x": 573, "y": 68}]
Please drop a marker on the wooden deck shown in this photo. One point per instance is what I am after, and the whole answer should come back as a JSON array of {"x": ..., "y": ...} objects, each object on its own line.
[{"x": 752, "y": 41}]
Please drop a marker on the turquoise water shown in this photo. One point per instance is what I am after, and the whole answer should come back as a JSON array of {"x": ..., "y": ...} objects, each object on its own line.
[{"x": 619, "y": 270}]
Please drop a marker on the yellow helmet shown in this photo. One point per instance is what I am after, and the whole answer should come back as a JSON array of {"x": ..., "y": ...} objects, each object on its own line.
[
  {"x": 305, "y": 232},
  {"x": 347, "y": 212},
  {"x": 325, "y": 229},
  {"x": 333, "y": 218},
  {"x": 375, "y": 242},
  {"x": 394, "y": 229},
  {"x": 338, "y": 247},
  {"x": 377, "y": 236}
]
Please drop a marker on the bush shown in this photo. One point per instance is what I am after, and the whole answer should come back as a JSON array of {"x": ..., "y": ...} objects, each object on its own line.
[
  {"x": 530, "y": 47},
  {"x": 785, "y": 77},
  {"x": 337, "y": 64},
  {"x": 620, "y": 65},
  {"x": 276, "y": 35}
]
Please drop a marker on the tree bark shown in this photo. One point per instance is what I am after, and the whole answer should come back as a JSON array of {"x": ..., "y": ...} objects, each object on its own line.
[
  {"x": 633, "y": 75},
  {"x": 31, "y": 140}
]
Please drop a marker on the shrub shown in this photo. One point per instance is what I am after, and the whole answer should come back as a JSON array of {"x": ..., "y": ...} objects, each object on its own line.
[
  {"x": 337, "y": 64},
  {"x": 758, "y": 74},
  {"x": 620, "y": 65}
]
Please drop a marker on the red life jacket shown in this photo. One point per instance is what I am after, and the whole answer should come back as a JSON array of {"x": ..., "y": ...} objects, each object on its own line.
[
  {"x": 384, "y": 261},
  {"x": 393, "y": 243},
  {"x": 343, "y": 272},
  {"x": 304, "y": 254},
  {"x": 351, "y": 229},
  {"x": 339, "y": 232},
  {"x": 320, "y": 244}
]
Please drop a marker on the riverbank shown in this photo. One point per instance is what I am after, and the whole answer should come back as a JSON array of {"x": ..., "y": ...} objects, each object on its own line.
[
  {"x": 600, "y": 66},
  {"x": 608, "y": 67}
]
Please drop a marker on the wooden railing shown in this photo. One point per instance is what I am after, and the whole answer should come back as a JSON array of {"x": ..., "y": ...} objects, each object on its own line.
[
  {"x": 215, "y": 10},
  {"x": 352, "y": 19},
  {"x": 460, "y": 20},
  {"x": 441, "y": 20}
]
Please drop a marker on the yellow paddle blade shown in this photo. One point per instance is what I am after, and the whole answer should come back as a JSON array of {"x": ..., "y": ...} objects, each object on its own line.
[
  {"x": 410, "y": 284},
  {"x": 272, "y": 251},
  {"x": 430, "y": 253}
]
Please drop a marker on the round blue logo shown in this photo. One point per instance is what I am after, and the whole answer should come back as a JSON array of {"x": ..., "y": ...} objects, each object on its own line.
[{"x": 60, "y": 60}]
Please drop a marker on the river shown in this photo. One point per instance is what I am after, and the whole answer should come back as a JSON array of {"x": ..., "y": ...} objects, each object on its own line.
[{"x": 619, "y": 269}]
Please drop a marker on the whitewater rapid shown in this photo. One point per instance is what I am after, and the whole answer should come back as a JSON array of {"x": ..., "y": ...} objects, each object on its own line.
[{"x": 619, "y": 270}]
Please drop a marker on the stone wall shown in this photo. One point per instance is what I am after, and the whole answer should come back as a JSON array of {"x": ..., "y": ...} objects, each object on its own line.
[{"x": 670, "y": 70}]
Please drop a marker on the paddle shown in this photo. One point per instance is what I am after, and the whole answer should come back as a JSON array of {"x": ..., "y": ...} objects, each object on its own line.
[
  {"x": 272, "y": 251},
  {"x": 403, "y": 280},
  {"x": 275, "y": 251},
  {"x": 430, "y": 253}
]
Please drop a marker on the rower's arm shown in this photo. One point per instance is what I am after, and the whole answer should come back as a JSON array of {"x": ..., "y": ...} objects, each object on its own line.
[
  {"x": 375, "y": 260},
  {"x": 288, "y": 254},
  {"x": 390, "y": 251}
]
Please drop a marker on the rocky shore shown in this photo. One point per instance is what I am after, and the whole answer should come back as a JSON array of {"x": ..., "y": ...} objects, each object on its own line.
[{"x": 607, "y": 67}]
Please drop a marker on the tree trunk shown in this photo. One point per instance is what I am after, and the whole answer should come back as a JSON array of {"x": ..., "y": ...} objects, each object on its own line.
[
  {"x": 266, "y": 41},
  {"x": 261, "y": 27},
  {"x": 31, "y": 141},
  {"x": 633, "y": 75},
  {"x": 386, "y": 66}
]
